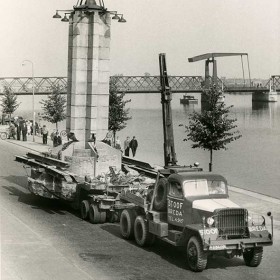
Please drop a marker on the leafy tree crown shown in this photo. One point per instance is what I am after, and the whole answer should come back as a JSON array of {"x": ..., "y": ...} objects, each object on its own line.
[
  {"x": 9, "y": 101},
  {"x": 213, "y": 128},
  {"x": 54, "y": 106},
  {"x": 118, "y": 114}
]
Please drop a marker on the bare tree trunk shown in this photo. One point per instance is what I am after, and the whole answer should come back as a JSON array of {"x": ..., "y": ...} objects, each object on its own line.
[
  {"x": 114, "y": 140},
  {"x": 211, "y": 160}
]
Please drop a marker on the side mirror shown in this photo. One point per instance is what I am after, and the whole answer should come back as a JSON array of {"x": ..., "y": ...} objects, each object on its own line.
[{"x": 269, "y": 214}]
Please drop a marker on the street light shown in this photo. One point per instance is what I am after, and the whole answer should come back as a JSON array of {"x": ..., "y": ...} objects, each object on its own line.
[
  {"x": 88, "y": 7},
  {"x": 33, "y": 89}
]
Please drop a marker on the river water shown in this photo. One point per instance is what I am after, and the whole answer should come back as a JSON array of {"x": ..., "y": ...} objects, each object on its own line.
[{"x": 252, "y": 162}]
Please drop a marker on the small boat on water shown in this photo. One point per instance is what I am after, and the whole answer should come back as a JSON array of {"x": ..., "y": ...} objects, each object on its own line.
[
  {"x": 266, "y": 96},
  {"x": 188, "y": 99}
]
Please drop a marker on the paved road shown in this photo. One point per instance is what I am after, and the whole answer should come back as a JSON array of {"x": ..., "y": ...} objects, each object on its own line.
[{"x": 43, "y": 239}]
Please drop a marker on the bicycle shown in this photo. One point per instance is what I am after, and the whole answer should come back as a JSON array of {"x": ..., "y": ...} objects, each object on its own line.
[
  {"x": 3, "y": 135},
  {"x": 63, "y": 133}
]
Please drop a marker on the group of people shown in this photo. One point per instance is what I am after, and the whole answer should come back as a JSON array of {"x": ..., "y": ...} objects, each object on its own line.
[
  {"x": 130, "y": 144},
  {"x": 20, "y": 128}
]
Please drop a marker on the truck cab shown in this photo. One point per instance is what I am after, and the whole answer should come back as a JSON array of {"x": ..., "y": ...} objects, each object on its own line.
[{"x": 192, "y": 196}]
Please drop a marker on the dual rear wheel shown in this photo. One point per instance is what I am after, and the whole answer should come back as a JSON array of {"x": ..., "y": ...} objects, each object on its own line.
[
  {"x": 92, "y": 212},
  {"x": 133, "y": 226}
]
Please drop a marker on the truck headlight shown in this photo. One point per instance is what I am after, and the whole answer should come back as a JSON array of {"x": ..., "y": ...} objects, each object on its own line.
[{"x": 210, "y": 221}]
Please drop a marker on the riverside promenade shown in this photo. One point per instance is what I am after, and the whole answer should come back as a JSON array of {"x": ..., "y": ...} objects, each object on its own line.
[
  {"x": 44, "y": 239},
  {"x": 256, "y": 202}
]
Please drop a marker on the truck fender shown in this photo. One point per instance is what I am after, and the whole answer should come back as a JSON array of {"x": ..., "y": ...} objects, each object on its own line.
[{"x": 188, "y": 232}]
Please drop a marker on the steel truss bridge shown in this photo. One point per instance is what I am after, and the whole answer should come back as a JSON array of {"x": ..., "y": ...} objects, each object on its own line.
[{"x": 134, "y": 84}]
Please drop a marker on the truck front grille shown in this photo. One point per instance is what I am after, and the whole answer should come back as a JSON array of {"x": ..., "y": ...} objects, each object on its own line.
[{"x": 232, "y": 223}]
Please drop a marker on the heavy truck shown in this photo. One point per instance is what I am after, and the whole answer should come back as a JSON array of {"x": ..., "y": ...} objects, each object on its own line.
[
  {"x": 190, "y": 208},
  {"x": 185, "y": 206}
]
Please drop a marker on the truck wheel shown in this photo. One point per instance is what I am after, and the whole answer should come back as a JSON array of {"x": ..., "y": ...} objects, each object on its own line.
[
  {"x": 94, "y": 214},
  {"x": 253, "y": 257},
  {"x": 84, "y": 209},
  {"x": 102, "y": 217},
  {"x": 141, "y": 232},
  {"x": 160, "y": 201},
  {"x": 197, "y": 258},
  {"x": 127, "y": 220}
]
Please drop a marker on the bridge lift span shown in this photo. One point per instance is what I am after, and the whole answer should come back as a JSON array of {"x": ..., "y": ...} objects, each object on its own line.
[{"x": 210, "y": 58}]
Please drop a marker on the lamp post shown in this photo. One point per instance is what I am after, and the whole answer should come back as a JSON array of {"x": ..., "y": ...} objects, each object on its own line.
[{"x": 33, "y": 89}]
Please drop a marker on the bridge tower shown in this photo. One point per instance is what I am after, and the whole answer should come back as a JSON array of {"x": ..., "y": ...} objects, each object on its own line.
[
  {"x": 88, "y": 72},
  {"x": 212, "y": 80},
  {"x": 88, "y": 88}
]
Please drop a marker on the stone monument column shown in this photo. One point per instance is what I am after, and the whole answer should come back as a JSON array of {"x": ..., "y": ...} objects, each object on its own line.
[{"x": 88, "y": 75}]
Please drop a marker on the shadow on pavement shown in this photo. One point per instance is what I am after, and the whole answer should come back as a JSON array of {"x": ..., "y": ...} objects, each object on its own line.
[
  {"x": 176, "y": 255},
  {"x": 36, "y": 202}
]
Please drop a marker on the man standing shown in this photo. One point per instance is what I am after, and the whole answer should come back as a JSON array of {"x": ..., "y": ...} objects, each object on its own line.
[
  {"x": 45, "y": 134},
  {"x": 126, "y": 146},
  {"x": 133, "y": 145}
]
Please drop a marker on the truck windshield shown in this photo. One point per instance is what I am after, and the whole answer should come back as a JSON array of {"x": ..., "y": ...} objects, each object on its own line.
[{"x": 203, "y": 187}]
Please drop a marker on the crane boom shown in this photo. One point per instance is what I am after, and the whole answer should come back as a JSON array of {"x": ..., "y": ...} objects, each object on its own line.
[{"x": 166, "y": 97}]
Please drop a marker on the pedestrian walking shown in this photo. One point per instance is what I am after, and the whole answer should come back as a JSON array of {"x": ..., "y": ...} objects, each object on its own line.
[
  {"x": 18, "y": 130},
  {"x": 118, "y": 143},
  {"x": 24, "y": 131},
  {"x": 12, "y": 131},
  {"x": 126, "y": 146},
  {"x": 29, "y": 125},
  {"x": 133, "y": 145},
  {"x": 45, "y": 133}
]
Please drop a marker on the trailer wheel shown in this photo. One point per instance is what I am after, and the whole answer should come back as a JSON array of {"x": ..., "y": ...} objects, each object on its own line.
[
  {"x": 141, "y": 232},
  {"x": 160, "y": 201},
  {"x": 84, "y": 208},
  {"x": 196, "y": 257},
  {"x": 112, "y": 217},
  {"x": 127, "y": 220},
  {"x": 253, "y": 257},
  {"x": 94, "y": 214},
  {"x": 102, "y": 217}
]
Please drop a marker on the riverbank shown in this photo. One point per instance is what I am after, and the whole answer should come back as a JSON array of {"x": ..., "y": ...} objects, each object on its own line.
[{"x": 253, "y": 201}]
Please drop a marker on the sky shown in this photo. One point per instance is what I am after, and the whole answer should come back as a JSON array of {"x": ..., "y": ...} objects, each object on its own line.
[{"x": 181, "y": 29}]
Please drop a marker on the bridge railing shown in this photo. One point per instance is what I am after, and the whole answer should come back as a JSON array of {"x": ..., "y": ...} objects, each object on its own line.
[
  {"x": 134, "y": 84},
  {"x": 42, "y": 85}
]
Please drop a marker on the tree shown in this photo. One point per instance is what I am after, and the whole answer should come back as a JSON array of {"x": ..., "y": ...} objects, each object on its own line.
[
  {"x": 54, "y": 106},
  {"x": 212, "y": 129},
  {"x": 118, "y": 114},
  {"x": 9, "y": 102}
]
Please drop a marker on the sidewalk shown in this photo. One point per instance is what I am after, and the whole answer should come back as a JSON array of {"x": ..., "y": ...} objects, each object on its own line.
[
  {"x": 255, "y": 202},
  {"x": 36, "y": 146}
]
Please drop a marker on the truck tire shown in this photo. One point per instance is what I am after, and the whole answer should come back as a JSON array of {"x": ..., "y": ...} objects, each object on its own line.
[
  {"x": 196, "y": 257},
  {"x": 160, "y": 200},
  {"x": 253, "y": 257},
  {"x": 84, "y": 209},
  {"x": 102, "y": 217},
  {"x": 141, "y": 232},
  {"x": 127, "y": 220},
  {"x": 94, "y": 214}
]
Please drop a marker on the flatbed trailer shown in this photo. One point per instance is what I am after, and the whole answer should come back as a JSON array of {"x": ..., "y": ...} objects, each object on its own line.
[{"x": 97, "y": 201}]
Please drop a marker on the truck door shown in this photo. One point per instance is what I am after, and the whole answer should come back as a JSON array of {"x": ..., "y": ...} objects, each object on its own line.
[{"x": 175, "y": 200}]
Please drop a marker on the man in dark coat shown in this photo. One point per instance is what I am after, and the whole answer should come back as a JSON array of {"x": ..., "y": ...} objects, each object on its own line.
[
  {"x": 57, "y": 139},
  {"x": 24, "y": 131},
  {"x": 133, "y": 145}
]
